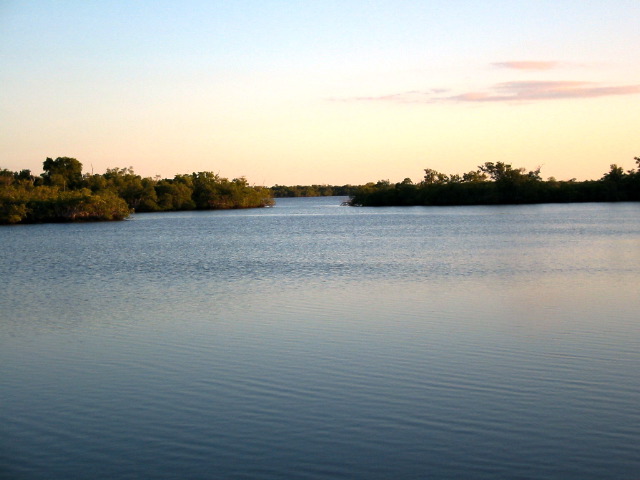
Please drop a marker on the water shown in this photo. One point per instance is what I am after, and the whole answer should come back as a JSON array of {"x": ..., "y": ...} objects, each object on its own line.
[{"x": 315, "y": 341}]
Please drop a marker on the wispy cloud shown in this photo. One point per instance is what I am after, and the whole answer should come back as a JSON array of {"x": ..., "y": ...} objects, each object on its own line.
[
  {"x": 527, "y": 65},
  {"x": 413, "y": 96},
  {"x": 544, "y": 90},
  {"x": 514, "y": 92}
]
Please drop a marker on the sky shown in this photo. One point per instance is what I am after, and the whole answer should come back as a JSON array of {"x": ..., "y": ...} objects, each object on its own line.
[{"x": 321, "y": 92}]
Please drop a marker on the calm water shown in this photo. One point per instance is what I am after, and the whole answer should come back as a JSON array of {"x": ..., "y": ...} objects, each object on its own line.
[{"x": 313, "y": 341}]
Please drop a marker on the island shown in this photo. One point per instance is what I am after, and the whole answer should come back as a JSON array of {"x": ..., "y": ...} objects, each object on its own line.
[
  {"x": 499, "y": 183},
  {"x": 62, "y": 193}
]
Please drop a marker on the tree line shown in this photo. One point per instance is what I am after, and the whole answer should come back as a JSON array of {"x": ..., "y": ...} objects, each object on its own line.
[
  {"x": 280, "y": 191},
  {"x": 500, "y": 183},
  {"x": 63, "y": 193}
]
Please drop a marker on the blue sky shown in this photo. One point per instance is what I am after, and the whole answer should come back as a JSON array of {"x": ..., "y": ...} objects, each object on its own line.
[{"x": 321, "y": 92}]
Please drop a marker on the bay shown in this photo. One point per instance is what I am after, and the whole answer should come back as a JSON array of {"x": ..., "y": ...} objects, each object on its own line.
[{"x": 316, "y": 341}]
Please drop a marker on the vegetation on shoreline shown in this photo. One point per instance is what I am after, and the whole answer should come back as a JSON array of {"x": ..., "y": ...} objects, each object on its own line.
[
  {"x": 64, "y": 194},
  {"x": 280, "y": 191},
  {"x": 499, "y": 183}
]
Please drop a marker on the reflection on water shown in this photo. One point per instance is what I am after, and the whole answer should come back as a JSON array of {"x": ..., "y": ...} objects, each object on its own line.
[{"x": 316, "y": 341}]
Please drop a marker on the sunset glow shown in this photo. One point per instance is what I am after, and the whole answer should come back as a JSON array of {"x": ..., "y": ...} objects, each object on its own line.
[{"x": 321, "y": 92}]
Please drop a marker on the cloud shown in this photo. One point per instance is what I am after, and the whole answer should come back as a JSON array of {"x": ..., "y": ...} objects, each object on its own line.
[
  {"x": 516, "y": 91},
  {"x": 544, "y": 90},
  {"x": 413, "y": 96},
  {"x": 527, "y": 65},
  {"x": 512, "y": 92}
]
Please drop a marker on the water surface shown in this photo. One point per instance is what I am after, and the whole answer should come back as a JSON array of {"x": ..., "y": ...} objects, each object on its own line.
[{"x": 316, "y": 341}]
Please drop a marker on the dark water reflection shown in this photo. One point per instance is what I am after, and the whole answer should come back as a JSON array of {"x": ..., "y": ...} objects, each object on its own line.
[{"x": 317, "y": 341}]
